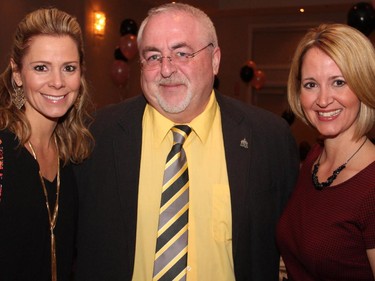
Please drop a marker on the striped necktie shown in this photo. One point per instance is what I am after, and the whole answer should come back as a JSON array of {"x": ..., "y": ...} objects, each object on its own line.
[{"x": 171, "y": 245}]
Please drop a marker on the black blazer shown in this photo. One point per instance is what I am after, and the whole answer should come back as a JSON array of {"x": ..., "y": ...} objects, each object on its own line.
[{"x": 261, "y": 178}]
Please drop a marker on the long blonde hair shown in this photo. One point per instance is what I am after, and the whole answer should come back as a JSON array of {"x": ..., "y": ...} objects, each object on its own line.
[{"x": 73, "y": 137}]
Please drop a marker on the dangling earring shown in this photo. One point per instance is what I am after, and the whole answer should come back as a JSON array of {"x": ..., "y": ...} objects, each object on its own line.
[{"x": 18, "y": 96}]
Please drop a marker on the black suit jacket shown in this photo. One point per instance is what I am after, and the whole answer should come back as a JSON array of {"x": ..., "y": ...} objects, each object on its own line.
[{"x": 261, "y": 178}]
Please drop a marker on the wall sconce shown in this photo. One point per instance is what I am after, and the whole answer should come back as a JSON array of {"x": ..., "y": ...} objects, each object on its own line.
[{"x": 99, "y": 24}]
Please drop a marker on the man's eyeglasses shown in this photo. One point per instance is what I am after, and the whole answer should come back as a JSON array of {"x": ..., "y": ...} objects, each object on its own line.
[{"x": 177, "y": 57}]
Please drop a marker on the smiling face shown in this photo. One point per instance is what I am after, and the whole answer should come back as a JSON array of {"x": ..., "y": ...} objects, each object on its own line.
[
  {"x": 50, "y": 76},
  {"x": 327, "y": 101},
  {"x": 179, "y": 91}
]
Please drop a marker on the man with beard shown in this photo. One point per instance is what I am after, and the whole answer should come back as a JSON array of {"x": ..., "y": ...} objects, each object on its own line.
[{"x": 239, "y": 167}]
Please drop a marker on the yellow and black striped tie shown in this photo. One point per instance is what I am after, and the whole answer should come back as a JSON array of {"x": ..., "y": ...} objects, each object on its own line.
[{"x": 171, "y": 246}]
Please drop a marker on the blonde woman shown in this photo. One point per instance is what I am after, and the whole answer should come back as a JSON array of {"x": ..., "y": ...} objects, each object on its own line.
[
  {"x": 327, "y": 231},
  {"x": 43, "y": 108}
]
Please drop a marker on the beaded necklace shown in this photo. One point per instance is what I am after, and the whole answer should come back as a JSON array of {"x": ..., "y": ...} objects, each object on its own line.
[{"x": 320, "y": 185}]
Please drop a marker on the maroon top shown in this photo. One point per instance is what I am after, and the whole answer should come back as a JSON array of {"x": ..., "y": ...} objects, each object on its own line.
[{"x": 323, "y": 235}]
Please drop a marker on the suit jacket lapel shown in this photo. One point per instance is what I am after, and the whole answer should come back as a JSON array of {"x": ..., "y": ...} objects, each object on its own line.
[
  {"x": 237, "y": 142},
  {"x": 127, "y": 157}
]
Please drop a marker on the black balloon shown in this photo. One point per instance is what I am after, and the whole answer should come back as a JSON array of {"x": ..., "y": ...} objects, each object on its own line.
[
  {"x": 362, "y": 17},
  {"x": 247, "y": 73},
  {"x": 128, "y": 26},
  {"x": 119, "y": 55}
]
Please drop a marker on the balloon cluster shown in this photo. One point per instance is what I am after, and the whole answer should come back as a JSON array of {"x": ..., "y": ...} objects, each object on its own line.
[
  {"x": 250, "y": 73},
  {"x": 126, "y": 50},
  {"x": 362, "y": 17}
]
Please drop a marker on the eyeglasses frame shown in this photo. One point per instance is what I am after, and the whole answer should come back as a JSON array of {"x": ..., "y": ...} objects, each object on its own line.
[{"x": 188, "y": 56}]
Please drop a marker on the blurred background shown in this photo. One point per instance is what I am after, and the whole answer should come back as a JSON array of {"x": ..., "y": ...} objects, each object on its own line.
[{"x": 257, "y": 39}]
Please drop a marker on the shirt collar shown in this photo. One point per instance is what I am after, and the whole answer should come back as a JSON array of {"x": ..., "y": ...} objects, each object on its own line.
[
  {"x": 200, "y": 125},
  {"x": 203, "y": 122},
  {"x": 160, "y": 124}
]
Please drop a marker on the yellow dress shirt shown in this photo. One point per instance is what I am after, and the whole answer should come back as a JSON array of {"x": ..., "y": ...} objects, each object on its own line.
[{"x": 210, "y": 222}]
